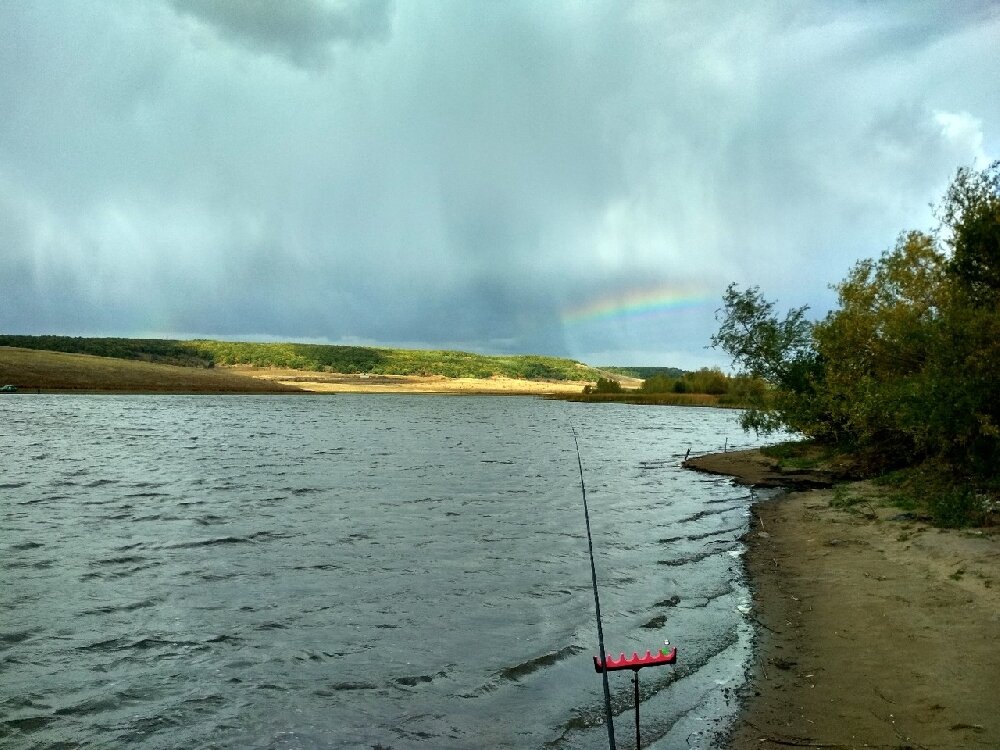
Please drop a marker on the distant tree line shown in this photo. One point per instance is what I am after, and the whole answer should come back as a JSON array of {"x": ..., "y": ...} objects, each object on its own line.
[
  {"x": 706, "y": 380},
  {"x": 672, "y": 386},
  {"x": 163, "y": 351},
  {"x": 906, "y": 369}
]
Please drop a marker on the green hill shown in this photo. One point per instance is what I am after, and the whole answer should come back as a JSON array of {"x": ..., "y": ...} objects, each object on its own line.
[
  {"x": 314, "y": 357},
  {"x": 644, "y": 373}
]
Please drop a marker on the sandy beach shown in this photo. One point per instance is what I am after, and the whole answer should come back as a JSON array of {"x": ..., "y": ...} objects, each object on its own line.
[
  {"x": 321, "y": 382},
  {"x": 876, "y": 630}
]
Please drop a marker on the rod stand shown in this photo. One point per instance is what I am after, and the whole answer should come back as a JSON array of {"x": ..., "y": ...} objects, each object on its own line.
[
  {"x": 635, "y": 663},
  {"x": 635, "y": 682}
]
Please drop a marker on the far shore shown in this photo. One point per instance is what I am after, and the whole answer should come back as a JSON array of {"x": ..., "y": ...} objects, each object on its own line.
[
  {"x": 57, "y": 372},
  {"x": 875, "y": 629},
  {"x": 322, "y": 382}
]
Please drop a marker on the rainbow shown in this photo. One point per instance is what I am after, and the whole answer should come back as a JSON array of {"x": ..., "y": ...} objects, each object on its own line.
[{"x": 637, "y": 303}]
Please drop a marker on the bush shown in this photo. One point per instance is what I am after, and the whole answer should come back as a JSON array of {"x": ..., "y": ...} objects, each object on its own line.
[
  {"x": 606, "y": 385},
  {"x": 957, "y": 507},
  {"x": 658, "y": 384}
]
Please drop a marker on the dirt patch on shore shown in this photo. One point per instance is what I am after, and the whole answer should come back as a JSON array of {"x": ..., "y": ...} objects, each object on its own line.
[
  {"x": 876, "y": 630},
  {"x": 754, "y": 468}
]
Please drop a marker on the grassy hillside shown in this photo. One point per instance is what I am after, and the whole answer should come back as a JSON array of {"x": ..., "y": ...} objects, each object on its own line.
[
  {"x": 644, "y": 373},
  {"x": 46, "y": 370},
  {"x": 314, "y": 357}
]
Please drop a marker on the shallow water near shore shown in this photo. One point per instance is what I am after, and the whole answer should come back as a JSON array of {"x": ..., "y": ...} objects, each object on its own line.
[{"x": 360, "y": 571}]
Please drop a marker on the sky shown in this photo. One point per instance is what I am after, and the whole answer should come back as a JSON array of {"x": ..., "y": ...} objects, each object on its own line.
[{"x": 577, "y": 178}]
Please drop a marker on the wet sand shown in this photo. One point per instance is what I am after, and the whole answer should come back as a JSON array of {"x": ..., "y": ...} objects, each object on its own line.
[{"x": 876, "y": 630}]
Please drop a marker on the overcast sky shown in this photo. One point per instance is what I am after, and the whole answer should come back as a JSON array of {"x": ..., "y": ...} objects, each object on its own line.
[{"x": 571, "y": 178}]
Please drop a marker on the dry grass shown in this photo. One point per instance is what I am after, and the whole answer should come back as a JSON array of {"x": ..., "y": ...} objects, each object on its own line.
[
  {"x": 322, "y": 382},
  {"x": 32, "y": 370},
  {"x": 656, "y": 399}
]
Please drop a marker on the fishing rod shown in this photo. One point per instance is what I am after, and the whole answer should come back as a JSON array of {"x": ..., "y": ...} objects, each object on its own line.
[
  {"x": 597, "y": 600},
  {"x": 605, "y": 663}
]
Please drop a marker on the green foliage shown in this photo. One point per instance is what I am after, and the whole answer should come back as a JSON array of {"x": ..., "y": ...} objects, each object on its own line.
[
  {"x": 163, "y": 351},
  {"x": 905, "y": 369},
  {"x": 705, "y": 380},
  {"x": 779, "y": 354},
  {"x": 842, "y": 498},
  {"x": 804, "y": 454},
  {"x": 657, "y": 384},
  {"x": 939, "y": 493},
  {"x": 647, "y": 399},
  {"x": 971, "y": 213},
  {"x": 760, "y": 344},
  {"x": 956, "y": 507},
  {"x": 607, "y": 385},
  {"x": 645, "y": 373},
  {"x": 379, "y": 361},
  {"x": 876, "y": 346}
]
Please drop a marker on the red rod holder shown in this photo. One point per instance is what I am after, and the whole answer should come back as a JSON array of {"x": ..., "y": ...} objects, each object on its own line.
[{"x": 636, "y": 662}]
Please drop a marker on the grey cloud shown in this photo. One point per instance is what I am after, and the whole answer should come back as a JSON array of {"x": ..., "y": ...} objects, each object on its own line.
[
  {"x": 480, "y": 170},
  {"x": 301, "y": 31}
]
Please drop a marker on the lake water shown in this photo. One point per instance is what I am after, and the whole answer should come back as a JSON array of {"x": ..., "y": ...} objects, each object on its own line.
[{"x": 360, "y": 571}]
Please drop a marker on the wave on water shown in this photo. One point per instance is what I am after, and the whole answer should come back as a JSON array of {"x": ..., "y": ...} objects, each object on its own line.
[
  {"x": 517, "y": 671},
  {"x": 358, "y": 571}
]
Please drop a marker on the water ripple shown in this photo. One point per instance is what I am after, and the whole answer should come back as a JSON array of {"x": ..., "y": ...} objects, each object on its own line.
[{"x": 353, "y": 571}]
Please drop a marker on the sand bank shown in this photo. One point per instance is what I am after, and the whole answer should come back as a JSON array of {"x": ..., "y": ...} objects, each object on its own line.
[
  {"x": 320, "y": 382},
  {"x": 876, "y": 630}
]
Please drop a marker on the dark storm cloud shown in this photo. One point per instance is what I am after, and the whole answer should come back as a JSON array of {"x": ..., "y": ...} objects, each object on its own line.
[
  {"x": 463, "y": 174},
  {"x": 301, "y": 31}
]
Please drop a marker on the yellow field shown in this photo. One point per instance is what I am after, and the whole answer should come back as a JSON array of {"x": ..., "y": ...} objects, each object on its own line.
[{"x": 322, "y": 382}]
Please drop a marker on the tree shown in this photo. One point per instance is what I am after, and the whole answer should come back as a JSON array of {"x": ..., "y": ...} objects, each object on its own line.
[
  {"x": 657, "y": 384},
  {"x": 607, "y": 385},
  {"x": 971, "y": 213},
  {"x": 877, "y": 348},
  {"x": 707, "y": 380},
  {"x": 905, "y": 368},
  {"x": 780, "y": 353}
]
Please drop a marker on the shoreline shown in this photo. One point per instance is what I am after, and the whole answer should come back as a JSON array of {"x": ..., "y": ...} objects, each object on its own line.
[
  {"x": 873, "y": 629},
  {"x": 321, "y": 382}
]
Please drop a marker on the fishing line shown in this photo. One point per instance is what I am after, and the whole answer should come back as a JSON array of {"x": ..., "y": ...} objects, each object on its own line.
[{"x": 597, "y": 599}]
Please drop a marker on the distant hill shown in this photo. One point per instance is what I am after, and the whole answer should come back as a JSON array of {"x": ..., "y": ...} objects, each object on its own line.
[
  {"x": 645, "y": 372},
  {"x": 203, "y": 353},
  {"x": 35, "y": 369}
]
